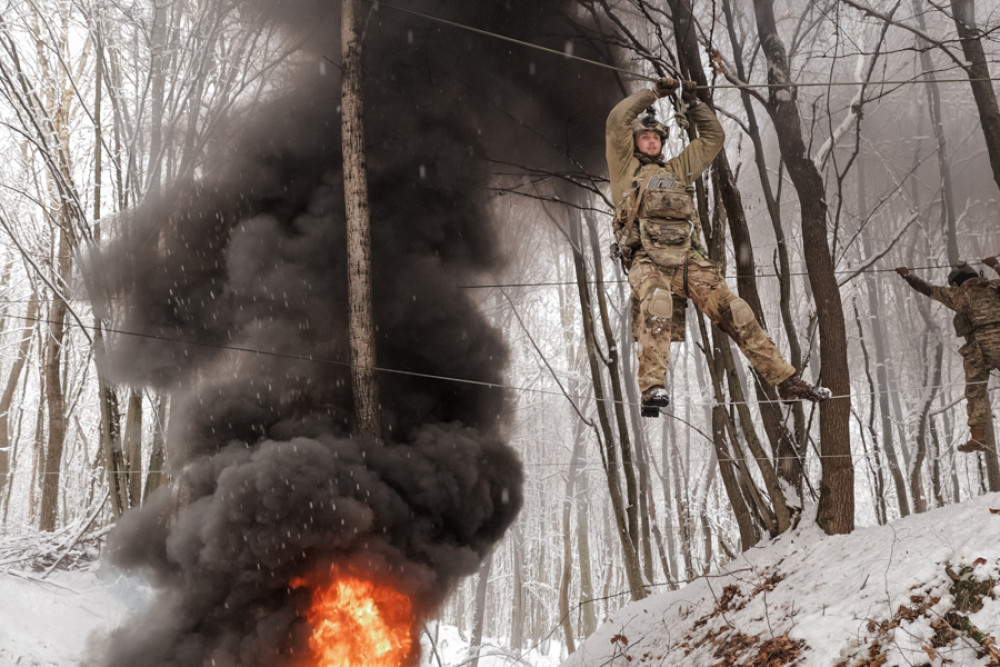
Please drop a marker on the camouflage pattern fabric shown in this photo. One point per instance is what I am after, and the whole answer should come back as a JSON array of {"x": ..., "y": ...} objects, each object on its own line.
[
  {"x": 977, "y": 305},
  {"x": 980, "y": 356},
  {"x": 653, "y": 289}
]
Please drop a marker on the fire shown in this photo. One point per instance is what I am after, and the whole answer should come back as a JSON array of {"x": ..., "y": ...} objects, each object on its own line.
[{"x": 359, "y": 623}]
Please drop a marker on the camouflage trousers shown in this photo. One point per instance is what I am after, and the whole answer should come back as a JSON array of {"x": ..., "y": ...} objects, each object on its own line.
[
  {"x": 980, "y": 356},
  {"x": 652, "y": 309}
]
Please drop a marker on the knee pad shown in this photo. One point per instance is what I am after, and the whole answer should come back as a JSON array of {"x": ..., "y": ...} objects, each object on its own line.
[
  {"x": 741, "y": 313},
  {"x": 661, "y": 304}
]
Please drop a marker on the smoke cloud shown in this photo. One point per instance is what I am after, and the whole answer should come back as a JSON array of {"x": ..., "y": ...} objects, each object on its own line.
[{"x": 236, "y": 283}]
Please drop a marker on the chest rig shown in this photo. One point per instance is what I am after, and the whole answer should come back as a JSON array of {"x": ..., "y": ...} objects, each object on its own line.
[{"x": 666, "y": 215}]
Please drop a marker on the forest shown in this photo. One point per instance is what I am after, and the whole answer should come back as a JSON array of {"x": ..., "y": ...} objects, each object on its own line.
[{"x": 173, "y": 285}]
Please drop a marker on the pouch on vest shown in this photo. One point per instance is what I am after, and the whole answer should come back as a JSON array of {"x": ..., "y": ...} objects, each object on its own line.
[
  {"x": 667, "y": 203},
  {"x": 667, "y": 242}
]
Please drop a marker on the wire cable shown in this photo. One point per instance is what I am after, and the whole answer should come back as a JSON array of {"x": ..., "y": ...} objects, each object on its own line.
[
  {"x": 445, "y": 378},
  {"x": 556, "y": 283},
  {"x": 562, "y": 54}
]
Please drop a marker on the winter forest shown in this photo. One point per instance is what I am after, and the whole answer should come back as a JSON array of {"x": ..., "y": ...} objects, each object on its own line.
[{"x": 179, "y": 385}]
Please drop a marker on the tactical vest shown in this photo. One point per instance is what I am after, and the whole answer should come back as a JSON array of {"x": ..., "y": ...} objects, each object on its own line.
[{"x": 666, "y": 218}]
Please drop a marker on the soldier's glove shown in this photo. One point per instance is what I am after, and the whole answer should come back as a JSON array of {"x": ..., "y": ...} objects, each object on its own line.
[
  {"x": 903, "y": 271},
  {"x": 622, "y": 254},
  {"x": 665, "y": 86},
  {"x": 689, "y": 94},
  {"x": 991, "y": 262}
]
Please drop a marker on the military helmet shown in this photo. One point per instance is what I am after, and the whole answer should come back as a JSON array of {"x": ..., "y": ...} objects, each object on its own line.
[
  {"x": 961, "y": 273},
  {"x": 649, "y": 123}
]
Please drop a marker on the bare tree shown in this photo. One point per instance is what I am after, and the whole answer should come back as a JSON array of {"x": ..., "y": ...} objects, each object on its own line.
[
  {"x": 359, "y": 277},
  {"x": 835, "y": 513}
]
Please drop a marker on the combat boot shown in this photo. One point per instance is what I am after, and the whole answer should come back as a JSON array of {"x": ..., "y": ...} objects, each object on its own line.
[
  {"x": 653, "y": 399},
  {"x": 795, "y": 388},
  {"x": 977, "y": 443}
]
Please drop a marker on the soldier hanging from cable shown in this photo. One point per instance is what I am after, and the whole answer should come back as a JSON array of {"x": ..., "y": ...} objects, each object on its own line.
[
  {"x": 657, "y": 239},
  {"x": 976, "y": 302}
]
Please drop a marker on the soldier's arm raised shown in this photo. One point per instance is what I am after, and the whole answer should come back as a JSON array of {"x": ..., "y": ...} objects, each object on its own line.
[
  {"x": 618, "y": 136},
  {"x": 694, "y": 159}
]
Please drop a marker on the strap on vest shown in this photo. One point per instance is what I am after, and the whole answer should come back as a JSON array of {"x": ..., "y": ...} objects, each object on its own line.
[{"x": 635, "y": 206}]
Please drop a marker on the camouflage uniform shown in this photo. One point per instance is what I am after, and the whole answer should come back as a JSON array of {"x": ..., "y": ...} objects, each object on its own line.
[
  {"x": 666, "y": 258},
  {"x": 976, "y": 303}
]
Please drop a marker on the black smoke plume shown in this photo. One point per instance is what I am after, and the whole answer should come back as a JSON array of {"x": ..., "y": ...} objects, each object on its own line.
[{"x": 236, "y": 281}]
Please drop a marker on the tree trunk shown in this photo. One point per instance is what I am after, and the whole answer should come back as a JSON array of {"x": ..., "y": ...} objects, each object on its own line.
[
  {"x": 789, "y": 470},
  {"x": 566, "y": 578},
  {"x": 55, "y": 400},
  {"x": 964, "y": 15},
  {"x": 624, "y": 513},
  {"x": 916, "y": 479},
  {"x": 517, "y": 589},
  {"x": 359, "y": 275},
  {"x": 157, "y": 460},
  {"x": 479, "y": 611},
  {"x": 874, "y": 457},
  {"x": 937, "y": 122},
  {"x": 835, "y": 513},
  {"x": 588, "y": 607},
  {"x": 882, "y": 356},
  {"x": 782, "y": 443},
  {"x": 10, "y": 387},
  {"x": 132, "y": 448}
]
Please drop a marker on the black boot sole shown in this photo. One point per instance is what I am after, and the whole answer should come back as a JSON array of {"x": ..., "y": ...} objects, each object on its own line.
[{"x": 649, "y": 411}]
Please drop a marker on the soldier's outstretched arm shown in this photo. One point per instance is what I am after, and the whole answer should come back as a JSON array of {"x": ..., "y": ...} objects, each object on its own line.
[
  {"x": 913, "y": 281},
  {"x": 945, "y": 295}
]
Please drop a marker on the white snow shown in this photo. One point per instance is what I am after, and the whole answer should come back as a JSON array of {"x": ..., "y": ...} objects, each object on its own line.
[{"x": 836, "y": 596}]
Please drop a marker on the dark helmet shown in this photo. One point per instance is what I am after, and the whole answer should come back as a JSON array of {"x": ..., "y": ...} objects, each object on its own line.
[
  {"x": 648, "y": 123},
  {"x": 961, "y": 273}
]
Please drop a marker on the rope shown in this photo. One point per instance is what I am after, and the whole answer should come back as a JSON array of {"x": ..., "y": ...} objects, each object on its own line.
[
  {"x": 468, "y": 381},
  {"x": 738, "y": 86},
  {"x": 557, "y": 283},
  {"x": 505, "y": 38}
]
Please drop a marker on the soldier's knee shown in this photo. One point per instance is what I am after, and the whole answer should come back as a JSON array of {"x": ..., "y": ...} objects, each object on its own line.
[
  {"x": 741, "y": 313},
  {"x": 661, "y": 304}
]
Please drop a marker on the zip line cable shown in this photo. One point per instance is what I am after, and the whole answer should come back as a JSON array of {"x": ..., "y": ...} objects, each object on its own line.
[
  {"x": 558, "y": 283},
  {"x": 445, "y": 378},
  {"x": 512, "y": 40},
  {"x": 740, "y": 86}
]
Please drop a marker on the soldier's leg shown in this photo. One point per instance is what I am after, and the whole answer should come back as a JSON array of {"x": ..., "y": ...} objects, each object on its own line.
[
  {"x": 977, "y": 400},
  {"x": 651, "y": 289},
  {"x": 707, "y": 289}
]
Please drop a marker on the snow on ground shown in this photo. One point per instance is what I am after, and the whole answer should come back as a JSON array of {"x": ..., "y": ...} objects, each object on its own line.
[
  {"x": 48, "y": 622},
  {"x": 881, "y": 595}
]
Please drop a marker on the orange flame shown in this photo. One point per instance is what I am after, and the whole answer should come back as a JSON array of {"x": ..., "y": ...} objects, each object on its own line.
[{"x": 359, "y": 623}]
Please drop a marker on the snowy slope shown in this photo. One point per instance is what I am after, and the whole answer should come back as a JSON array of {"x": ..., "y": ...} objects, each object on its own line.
[
  {"x": 879, "y": 593},
  {"x": 47, "y": 621},
  {"x": 806, "y": 598}
]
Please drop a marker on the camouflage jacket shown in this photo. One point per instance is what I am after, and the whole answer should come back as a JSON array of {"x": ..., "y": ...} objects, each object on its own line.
[
  {"x": 628, "y": 170},
  {"x": 976, "y": 302}
]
